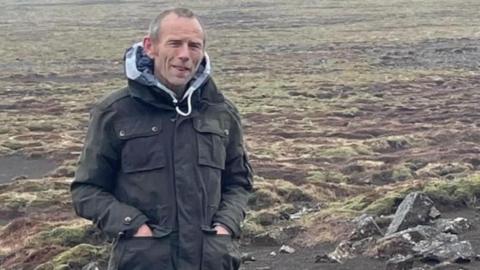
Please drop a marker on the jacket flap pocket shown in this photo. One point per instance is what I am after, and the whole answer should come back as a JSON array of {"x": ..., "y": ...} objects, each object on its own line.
[
  {"x": 210, "y": 126},
  {"x": 138, "y": 159},
  {"x": 133, "y": 128}
]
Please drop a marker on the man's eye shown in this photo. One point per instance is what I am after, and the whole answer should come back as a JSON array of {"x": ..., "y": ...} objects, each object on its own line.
[
  {"x": 196, "y": 46},
  {"x": 175, "y": 43}
]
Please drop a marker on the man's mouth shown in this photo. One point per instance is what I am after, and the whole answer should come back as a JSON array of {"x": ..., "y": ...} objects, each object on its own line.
[{"x": 181, "y": 68}]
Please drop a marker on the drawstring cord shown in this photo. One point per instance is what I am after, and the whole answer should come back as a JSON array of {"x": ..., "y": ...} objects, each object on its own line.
[
  {"x": 189, "y": 103},
  {"x": 193, "y": 87}
]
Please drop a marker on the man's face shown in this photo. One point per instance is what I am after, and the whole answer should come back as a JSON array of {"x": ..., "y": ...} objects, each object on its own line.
[{"x": 178, "y": 52}]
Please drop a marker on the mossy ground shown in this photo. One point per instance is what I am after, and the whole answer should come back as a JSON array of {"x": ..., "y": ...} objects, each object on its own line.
[{"x": 347, "y": 106}]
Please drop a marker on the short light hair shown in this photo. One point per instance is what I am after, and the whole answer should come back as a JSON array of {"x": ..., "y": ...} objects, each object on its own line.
[{"x": 154, "y": 29}]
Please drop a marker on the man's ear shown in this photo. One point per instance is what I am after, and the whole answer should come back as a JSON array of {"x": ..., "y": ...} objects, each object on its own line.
[{"x": 148, "y": 47}]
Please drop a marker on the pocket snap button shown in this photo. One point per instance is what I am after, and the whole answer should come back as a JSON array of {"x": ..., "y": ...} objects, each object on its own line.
[
  {"x": 127, "y": 220},
  {"x": 154, "y": 129},
  {"x": 122, "y": 133}
]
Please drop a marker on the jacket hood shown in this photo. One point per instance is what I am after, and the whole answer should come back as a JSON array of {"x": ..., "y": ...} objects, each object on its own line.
[{"x": 139, "y": 68}]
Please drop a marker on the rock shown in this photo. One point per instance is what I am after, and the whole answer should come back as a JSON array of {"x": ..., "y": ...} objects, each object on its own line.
[
  {"x": 277, "y": 236},
  {"x": 400, "y": 262},
  {"x": 286, "y": 249},
  {"x": 343, "y": 252},
  {"x": 19, "y": 177},
  {"x": 359, "y": 247},
  {"x": 434, "y": 213},
  {"x": 439, "y": 169},
  {"x": 401, "y": 242},
  {"x": 273, "y": 253},
  {"x": 458, "y": 252},
  {"x": 324, "y": 258},
  {"x": 247, "y": 257},
  {"x": 91, "y": 266},
  {"x": 386, "y": 248},
  {"x": 365, "y": 227},
  {"x": 416, "y": 234},
  {"x": 456, "y": 226},
  {"x": 447, "y": 266},
  {"x": 414, "y": 210},
  {"x": 304, "y": 211},
  {"x": 383, "y": 221}
]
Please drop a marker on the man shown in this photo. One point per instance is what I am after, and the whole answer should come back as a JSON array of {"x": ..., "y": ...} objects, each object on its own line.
[{"x": 164, "y": 168}]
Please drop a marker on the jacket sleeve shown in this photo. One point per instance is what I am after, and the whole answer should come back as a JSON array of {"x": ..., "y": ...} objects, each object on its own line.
[
  {"x": 236, "y": 181},
  {"x": 95, "y": 179}
]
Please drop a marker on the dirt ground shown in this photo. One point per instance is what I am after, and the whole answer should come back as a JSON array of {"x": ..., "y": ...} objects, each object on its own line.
[
  {"x": 345, "y": 105},
  {"x": 12, "y": 167},
  {"x": 304, "y": 258}
]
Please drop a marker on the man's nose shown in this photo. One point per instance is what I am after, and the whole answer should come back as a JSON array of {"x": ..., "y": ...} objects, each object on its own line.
[{"x": 183, "y": 52}]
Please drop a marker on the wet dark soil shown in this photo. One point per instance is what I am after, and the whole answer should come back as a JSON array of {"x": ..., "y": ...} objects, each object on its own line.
[
  {"x": 304, "y": 258},
  {"x": 21, "y": 167}
]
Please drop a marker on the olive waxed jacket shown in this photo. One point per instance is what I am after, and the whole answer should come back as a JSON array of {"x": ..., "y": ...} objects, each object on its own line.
[{"x": 145, "y": 163}]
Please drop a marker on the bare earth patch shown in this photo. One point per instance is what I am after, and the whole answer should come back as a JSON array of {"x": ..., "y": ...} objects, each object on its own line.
[{"x": 347, "y": 107}]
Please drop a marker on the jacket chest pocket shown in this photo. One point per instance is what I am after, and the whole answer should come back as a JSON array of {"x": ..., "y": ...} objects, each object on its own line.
[
  {"x": 211, "y": 143},
  {"x": 142, "y": 148}
]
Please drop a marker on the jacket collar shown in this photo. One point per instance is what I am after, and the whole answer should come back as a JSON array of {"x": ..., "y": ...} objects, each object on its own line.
[
  {"x": 139, "y": 69},
  {"x": 208, "y": 94}
]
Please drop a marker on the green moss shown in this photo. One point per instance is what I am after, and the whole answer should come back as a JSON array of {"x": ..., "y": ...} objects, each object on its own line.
[
  {"x": 265, "y": 217},
  {"x": 5, "y": 151},
  {"x": 263, "y": 198},
  {"x": 12, "y": 144},
  {"x": 349, "y": 112},
  {"x": 292, "y": 193},
  {"x": 65, "y": 171},
  {"x": 15, "y": 200},
  {"x": 345, "y": 151},
  {"x": 391, "y": 143},
  {"x": 441, "y": 169},
  {"x": 250, "y": 228},
  {"x": 79, "y": 256},
  {"x": 401, "y": 173},
  {"x": 40, "y": 126},
  {"x": 357, "y": 203},
  {"x": 387, "y": 204},
  {"x": 460, "y": 191},
  {"x": 327, "y": 176},
  {"x": 64, "y": 236}
]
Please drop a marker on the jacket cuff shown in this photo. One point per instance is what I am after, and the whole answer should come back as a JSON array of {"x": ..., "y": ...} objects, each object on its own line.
[
  {"x": 224, "y": 226},
  {"x": 231, "y": 226},
  {"x": 131, "y": 225}
]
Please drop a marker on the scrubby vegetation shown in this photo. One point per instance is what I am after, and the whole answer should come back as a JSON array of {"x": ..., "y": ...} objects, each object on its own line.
[{"x": 346, "y": 109}]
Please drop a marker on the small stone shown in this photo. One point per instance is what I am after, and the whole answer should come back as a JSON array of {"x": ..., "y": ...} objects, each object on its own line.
[
  {"x": 273, "y": 253},
  {"x": 20, "y": 177},
  {"x": 324, "y": 258},
  {"x": 400, "y": 262},
  {"x": 434, "y": 213},
  {"x": 343, "y": 252},
  {"x": 286, "y": 249},
  {"x": 247, "y": 257},
  {"x": 456, "y": 226},
  {"x": 365, "y": 227},
  {"x": 91, "y": 266}
]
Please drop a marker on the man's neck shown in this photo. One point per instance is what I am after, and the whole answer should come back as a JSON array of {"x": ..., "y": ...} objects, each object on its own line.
[{"x": 178, "y": 90}]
